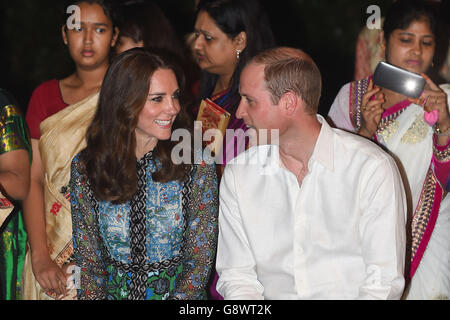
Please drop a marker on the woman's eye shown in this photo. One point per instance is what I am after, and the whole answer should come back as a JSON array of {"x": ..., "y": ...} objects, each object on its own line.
[
  {"x": 428, "y": 43},
  {"x": 405, "y": 40},
  {"x": 176, "y": 95},
  {"x": 208, "y": 38},
  {"x": 157, "y": 99}
]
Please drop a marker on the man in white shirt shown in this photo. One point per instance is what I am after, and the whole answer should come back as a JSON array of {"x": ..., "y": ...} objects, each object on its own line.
[{"x": 322, "y": 214}]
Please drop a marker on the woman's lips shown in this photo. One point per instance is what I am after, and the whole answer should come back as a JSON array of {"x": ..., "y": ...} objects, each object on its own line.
[
  {"x": 413, "y": 62},
  {"x": 87, "y": 53},
  {"x": 200, "y": 57}
]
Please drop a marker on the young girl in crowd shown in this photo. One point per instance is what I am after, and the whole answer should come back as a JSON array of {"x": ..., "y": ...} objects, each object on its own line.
[
  {"x": 143, "y": 227},
  {"x": 45, "y": 209},
  {"x": 420, "y": 146}
]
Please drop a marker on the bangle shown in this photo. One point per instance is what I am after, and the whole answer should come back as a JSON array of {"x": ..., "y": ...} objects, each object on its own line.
[{"x": 439, "y": 132}]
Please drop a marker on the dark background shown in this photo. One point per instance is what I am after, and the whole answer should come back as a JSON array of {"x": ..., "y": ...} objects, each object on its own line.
[{"x": 32, "y": 50}]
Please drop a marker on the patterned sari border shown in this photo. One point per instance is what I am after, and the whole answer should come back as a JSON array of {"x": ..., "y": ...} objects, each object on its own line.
[
  {"x": 431, "y": 196},
  {"x": 396, "y": 108}
]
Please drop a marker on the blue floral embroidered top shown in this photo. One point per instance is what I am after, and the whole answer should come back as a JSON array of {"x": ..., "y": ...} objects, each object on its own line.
[{"x": 159, "y": 245}]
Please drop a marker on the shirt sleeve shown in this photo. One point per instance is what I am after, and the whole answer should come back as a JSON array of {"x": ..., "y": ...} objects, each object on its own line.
[
  {"x": 200, "y": 236},
  {"x": 339, "y": 111},
  {"x": 87, "y": 241},
  {"x": 235, "y": 263},
  {"x": 35, "y": 113},
  {"x": 383, "y": 232}
]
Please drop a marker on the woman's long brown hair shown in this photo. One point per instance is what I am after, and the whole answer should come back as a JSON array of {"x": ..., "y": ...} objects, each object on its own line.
[{"x": 109, "y": 159}]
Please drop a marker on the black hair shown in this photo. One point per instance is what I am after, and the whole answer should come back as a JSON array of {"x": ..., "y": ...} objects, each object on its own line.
[
  {"x": 403, "y": 12},
  {"x": 109, "y": 8},
  {"x": 233, "y": 17}
]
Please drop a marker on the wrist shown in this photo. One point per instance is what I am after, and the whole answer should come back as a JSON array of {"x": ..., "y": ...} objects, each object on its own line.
[
  {"x": 441, "y": 130},
  {"x": 365, "y": 133}
]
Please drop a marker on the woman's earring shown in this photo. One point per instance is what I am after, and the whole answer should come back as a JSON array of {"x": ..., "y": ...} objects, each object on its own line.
[{"x": 238, "y": 54}]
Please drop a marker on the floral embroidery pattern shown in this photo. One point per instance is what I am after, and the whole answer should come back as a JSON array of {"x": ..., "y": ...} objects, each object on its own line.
[
  {"x": 56, "y": 206},
  {"x": 180, "y": 238},
  {"x": 417, "y": 132}
]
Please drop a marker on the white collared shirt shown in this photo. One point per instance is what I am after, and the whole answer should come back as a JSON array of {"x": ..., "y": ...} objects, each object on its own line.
[{"x": 340, "y": 235}]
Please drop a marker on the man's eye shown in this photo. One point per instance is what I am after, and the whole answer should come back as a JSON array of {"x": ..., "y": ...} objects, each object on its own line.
[{"x": 100, "y": 30}]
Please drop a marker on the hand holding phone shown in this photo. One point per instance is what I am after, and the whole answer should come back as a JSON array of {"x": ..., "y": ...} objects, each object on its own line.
[{"x": 399, "y": 80}]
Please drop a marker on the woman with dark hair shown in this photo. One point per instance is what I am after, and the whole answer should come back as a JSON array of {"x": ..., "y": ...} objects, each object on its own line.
[
  {"x": 143, "y": 226},
  {"x": 417, "y": 133},
  {"x": 228, "y": 33},
  {"x": 89, "y": 38}
]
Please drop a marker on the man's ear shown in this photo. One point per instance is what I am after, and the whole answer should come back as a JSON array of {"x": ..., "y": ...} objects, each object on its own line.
[
  {"x": 64, "y": 34},
  {"x": 240, "y": 41},
  {"x": 289, "y": 103}
]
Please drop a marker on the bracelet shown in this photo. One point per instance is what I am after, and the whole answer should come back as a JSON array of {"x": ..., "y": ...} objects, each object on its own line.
[{"x": 439, "y": 132}]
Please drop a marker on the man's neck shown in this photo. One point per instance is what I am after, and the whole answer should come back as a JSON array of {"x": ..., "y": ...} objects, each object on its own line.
[{"x": 297, "y": 146}]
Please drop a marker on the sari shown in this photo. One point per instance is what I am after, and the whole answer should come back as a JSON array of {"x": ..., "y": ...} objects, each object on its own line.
[
  {"x": 13, "y": 237},
  {"x": 63, "y": 136},
  {"x": 425, "y": 168}
]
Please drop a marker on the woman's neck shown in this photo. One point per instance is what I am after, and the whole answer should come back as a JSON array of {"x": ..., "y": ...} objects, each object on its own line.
[
  {"x": 144, "y": 144},
  {"x": 90, "y": 78},
  {"x": 222, "y": 84}
]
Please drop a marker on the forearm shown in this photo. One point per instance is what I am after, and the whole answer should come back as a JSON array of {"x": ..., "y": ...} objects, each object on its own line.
[
  {"x": 441, "y": 162},
  {"x": 34, "y": 216},
  {"x": 14, "y": 184}
]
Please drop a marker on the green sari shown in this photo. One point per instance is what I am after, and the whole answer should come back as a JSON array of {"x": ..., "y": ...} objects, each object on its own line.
[{"x": 13, "y": 237}]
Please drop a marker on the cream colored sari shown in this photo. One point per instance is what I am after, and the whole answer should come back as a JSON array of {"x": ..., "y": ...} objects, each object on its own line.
[{"x": 63, "y": 136}]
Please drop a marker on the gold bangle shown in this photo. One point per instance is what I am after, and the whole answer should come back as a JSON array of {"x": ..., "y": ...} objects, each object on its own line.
[{"x": 439, "y": 132}]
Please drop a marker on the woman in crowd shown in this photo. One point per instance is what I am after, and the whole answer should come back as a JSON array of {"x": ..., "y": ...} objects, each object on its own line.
[
  {"x": 144, "y": 24},
  {"x": 228, "y": 33},
  {"x": 143, "y": 227},
  {"x": 15, "y": 160},
  {"x": 417, "y": 133},
  {"x": 45, "y": 209}
]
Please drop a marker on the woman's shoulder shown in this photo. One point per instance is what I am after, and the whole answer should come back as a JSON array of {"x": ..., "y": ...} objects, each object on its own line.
[{"x": 46, "y": 87}]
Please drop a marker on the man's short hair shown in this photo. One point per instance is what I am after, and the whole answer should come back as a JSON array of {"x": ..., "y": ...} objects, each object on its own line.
[{"x": 288, "y": 69}]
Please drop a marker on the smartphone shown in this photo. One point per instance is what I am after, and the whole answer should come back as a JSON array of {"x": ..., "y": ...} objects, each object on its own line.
[{"x": 399, "y": 80}]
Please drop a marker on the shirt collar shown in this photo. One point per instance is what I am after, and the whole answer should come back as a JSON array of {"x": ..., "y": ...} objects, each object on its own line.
[{"x": 324, "y": 148}]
